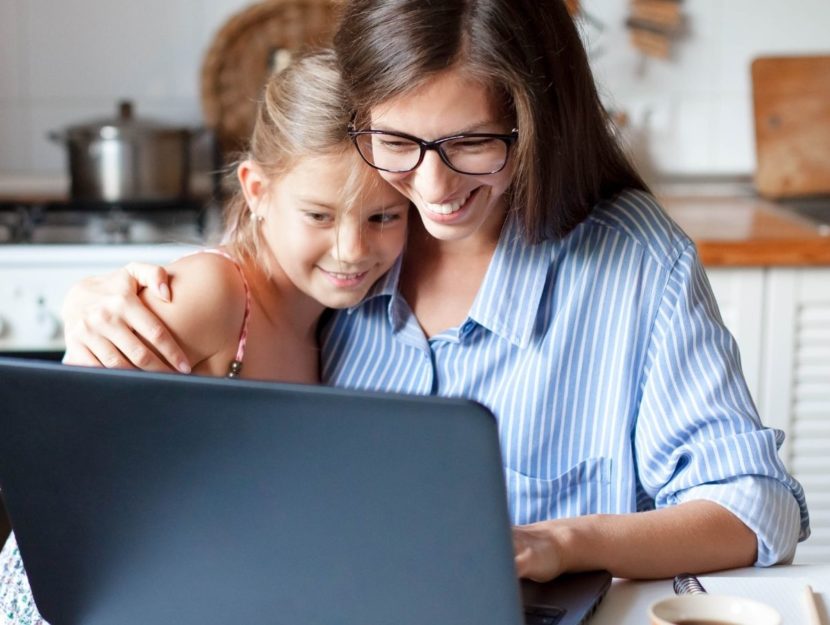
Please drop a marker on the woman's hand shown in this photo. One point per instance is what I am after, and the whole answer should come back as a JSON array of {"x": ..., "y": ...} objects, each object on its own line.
[
  {"x": 106, "y": 323},
  {"x": 692, "y": 537},
  {"x": 539, "y": 550}
]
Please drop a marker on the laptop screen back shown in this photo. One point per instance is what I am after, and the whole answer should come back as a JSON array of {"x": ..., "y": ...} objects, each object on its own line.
[{"x": 140, "y": 498}]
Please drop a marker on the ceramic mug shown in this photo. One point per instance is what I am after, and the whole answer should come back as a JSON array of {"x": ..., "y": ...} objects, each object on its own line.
[{"x": 710, "y": 609}]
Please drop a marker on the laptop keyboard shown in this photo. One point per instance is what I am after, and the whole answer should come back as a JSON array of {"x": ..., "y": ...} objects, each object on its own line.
[{"x": 543, "y": 616}]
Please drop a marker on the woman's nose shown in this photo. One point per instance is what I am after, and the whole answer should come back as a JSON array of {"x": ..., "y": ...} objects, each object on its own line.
[{"x": 433, "y": 180}]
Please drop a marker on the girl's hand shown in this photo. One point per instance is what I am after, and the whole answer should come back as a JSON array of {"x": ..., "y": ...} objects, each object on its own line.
[
  {"x": 539, "y": 550},
  {"x": 106, "y": 323}
]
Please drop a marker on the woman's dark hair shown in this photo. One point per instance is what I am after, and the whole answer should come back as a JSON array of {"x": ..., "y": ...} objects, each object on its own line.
[{"x": 528, "y": 52}]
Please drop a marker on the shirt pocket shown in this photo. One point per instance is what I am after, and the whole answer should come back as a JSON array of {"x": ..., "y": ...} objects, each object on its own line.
[{"x": 582, "y": 489}]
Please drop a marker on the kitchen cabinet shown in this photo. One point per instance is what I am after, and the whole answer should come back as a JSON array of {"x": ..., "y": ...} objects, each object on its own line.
[{"x": 780, "y": 317}]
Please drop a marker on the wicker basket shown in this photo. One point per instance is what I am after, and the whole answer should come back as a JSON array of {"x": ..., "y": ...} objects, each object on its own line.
[{"x": 251, "y": 45}]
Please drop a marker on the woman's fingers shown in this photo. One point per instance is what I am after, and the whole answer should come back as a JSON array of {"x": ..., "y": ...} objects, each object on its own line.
[
  {"x": 151, "y": 277},
  {"x": 107, "y": 322},
  {"x": 92, "y": 341},
  {"x": 153, "y": 346},
  {"x": 80, "y": 356}
]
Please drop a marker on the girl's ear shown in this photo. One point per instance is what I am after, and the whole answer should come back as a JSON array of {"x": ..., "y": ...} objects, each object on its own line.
[{"x": 253, "y": 184}]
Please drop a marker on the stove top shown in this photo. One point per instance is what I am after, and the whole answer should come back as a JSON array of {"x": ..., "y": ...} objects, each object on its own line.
[{"x": 104, "y": 223}]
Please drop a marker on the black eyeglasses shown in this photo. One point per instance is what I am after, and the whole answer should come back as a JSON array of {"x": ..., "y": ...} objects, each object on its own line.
[{"x": 475, "y": 154}]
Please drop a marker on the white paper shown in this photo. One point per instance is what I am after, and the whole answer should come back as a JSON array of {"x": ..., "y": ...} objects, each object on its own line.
[{"x": 785, "y": 594}]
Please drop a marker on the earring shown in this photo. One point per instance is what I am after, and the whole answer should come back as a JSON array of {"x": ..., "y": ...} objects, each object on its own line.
[{"x": 258, "y": 219}]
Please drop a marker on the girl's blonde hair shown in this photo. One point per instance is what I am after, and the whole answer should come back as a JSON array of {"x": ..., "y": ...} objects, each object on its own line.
[{"x": 304, "y": 112}]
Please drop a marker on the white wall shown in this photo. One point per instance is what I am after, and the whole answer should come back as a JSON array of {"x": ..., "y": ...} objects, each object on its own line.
[
  {"x": 65, "y": 62},
  {"x": 69, "y": 61},
  {"x": 696, "y": 110}
]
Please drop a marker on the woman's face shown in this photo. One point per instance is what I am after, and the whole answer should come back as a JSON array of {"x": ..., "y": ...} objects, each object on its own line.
[
  {"x": 453, "y": 206},
  {"x": 329, "y": 252}
]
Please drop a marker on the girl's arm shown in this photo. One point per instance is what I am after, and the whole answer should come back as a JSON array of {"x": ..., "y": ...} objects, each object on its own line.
[
  {"x": 107, "y": 324},
  {"x": 206, "y": 314},
  {"x": 692, "y": 537}
]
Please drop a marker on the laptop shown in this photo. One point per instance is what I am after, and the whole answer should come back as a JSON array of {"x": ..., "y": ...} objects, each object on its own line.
[{"x": 149, "y": 498}]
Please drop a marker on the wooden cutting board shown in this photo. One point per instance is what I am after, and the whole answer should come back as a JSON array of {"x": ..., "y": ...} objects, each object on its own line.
[{"x": 791, "y": 97}]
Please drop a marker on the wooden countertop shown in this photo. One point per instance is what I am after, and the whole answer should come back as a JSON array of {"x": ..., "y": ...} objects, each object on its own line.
[{"x": 748, "y": 231}]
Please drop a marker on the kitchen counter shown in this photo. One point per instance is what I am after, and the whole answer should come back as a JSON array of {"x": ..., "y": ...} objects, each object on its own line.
[
  {"x": 748, "y": 231},
  {"x": 730, "y": 225}
]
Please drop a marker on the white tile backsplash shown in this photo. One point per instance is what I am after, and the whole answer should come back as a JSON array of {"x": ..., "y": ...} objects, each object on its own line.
[
  {"x": 732, "y": 135},
  {"x": 63, "y": 63},
  {"x": 699, "y": 104},
  {"x": 678, "y": 138},
  {"x": 10, "y": 66},
  {"x": 15, "y": 143},
  {"x": 112, "y": 49}
]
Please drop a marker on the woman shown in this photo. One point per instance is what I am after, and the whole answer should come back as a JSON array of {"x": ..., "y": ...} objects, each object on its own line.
[{"x": 543, "y": 281}]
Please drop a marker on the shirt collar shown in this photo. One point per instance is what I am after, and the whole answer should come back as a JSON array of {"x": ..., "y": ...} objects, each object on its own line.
[
  {"x": 386, "y": 286},
  {"x": 508, "y": 301}
]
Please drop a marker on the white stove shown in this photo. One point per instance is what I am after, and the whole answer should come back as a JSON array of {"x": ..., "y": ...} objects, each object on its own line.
[
  {"x": 34, "y": 280},
  {"x": 44, "y": 250}
]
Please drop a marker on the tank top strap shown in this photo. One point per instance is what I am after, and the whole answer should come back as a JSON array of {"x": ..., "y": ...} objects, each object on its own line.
[{"x": 235, "y": 367}]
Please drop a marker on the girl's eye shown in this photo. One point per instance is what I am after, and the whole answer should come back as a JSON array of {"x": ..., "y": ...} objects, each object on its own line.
[{"x": 319, "y": 218}]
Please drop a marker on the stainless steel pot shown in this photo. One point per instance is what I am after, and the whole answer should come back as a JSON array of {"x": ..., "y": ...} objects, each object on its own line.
[{"x": 125, "y": 159}]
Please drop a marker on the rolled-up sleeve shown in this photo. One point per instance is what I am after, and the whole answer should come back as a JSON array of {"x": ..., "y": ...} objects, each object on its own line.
[{"x": 698, "y": 434}]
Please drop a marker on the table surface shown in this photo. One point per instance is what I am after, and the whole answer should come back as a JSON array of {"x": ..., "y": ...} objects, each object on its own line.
[{"x": 627, "y": 601}]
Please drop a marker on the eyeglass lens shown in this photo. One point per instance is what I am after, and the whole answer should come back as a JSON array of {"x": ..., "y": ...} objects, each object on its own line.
[{"x": 472, "y": 155}]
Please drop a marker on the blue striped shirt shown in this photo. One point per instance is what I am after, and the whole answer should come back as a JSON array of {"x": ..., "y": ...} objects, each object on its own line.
[{"x": 603, "y": 356}]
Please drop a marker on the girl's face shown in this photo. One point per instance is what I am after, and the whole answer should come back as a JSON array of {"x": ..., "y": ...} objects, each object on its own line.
[
  {"x": 331, "y": 254},
  {"x": 453, "y": 206}
]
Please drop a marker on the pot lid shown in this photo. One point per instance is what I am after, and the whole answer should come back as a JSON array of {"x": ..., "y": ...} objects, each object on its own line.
[{"x": 125, "y": 124}]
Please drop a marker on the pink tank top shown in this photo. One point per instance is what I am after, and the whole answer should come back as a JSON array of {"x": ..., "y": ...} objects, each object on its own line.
[{"x": 235, "y": 368}]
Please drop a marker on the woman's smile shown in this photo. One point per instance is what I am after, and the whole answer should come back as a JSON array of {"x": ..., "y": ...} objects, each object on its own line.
[{"x": 446, "y": 208}]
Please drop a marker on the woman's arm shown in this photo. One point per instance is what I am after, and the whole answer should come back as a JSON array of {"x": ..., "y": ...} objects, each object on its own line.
[
  {"x": 107, "y": 324},
  {"x": 692, "y": 537}
]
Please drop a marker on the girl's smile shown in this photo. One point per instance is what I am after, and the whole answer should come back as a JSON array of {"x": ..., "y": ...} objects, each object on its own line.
[{"x": 345, "y": 280}]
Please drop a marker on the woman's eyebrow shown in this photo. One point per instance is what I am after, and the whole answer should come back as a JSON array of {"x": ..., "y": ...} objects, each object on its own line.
[{"x": 481, "y": 126}]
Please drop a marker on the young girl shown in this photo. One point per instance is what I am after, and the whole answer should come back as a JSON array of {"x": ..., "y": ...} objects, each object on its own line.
[
  {"x": 311, "y": 227},
  {"x": 544, "y": 281}
]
